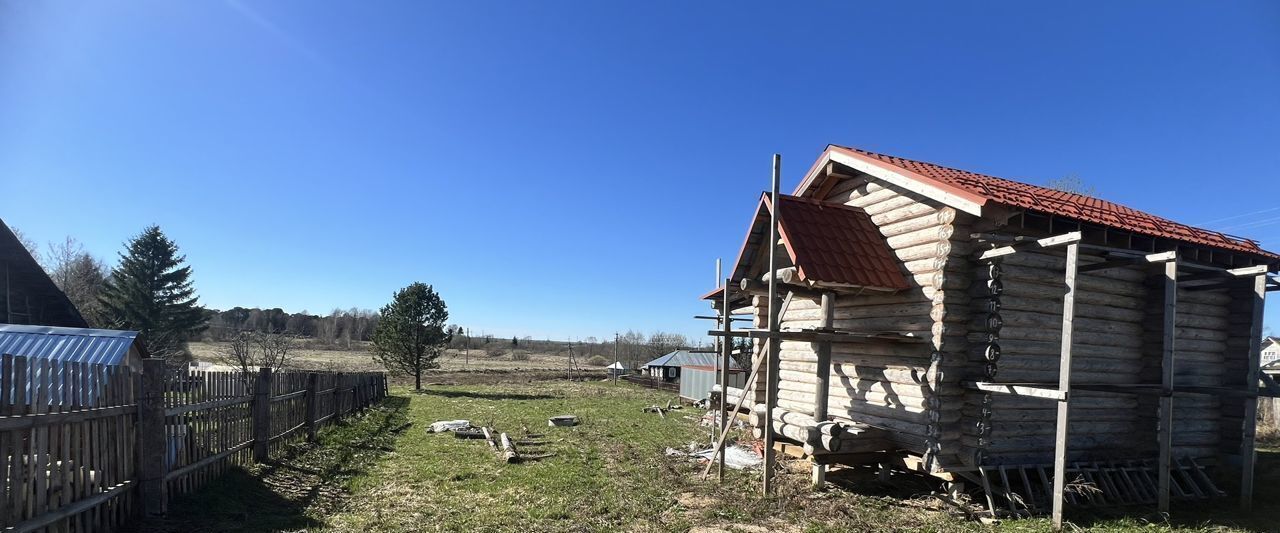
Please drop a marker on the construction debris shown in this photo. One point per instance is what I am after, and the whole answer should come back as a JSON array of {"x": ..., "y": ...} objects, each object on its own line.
[
  {"x": 444, "y": 426},
  {"x": 509, "y": 453},
  {"x": 736, "y": 456},
  {"x": 563, "y": 421}
]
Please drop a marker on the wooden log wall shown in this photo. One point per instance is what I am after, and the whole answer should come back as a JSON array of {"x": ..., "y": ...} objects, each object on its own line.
[
  {"x": 911, "y": 390},
  {"x": 1239, "y": 308},
  {"x": 1015, "y": 336},
  {"x": 915, "y": 391}
]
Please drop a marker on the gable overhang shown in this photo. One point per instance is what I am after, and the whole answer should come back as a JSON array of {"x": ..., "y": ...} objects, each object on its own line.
[{"x": 954, "y": 197}]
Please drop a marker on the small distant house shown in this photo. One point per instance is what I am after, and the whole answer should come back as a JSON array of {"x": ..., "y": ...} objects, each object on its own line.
[
  {"x": 27, "y": 294},
  {"x": 667, "y": 368},
  {"x": 1271, "y": 352},
  {"x": 616, "y": 369}
]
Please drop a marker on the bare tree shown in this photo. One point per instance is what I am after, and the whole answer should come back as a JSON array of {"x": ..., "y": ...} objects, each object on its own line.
[
  {"x": 273, "y": 349},
  {"x": 1072, "y": 184},
  {"x": 661, "y": 343},
  {"x": 251, "y": 351},
  {"x": 80, "y": 276},
  {"x": 30, "y": 245},
  {"x": 239, "y": 352}
]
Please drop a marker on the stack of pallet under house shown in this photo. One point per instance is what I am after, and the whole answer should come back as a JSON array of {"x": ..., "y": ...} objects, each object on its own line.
[{"x": 1023, "y": 339}]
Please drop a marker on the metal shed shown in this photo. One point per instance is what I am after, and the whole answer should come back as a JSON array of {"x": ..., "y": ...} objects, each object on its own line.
[
  {"x": 696, "y": 381},
  {"x": 73, "y": 345}
]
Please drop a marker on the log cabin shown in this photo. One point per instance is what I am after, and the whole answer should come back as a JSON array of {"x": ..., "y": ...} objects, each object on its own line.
[{"x": 985, "y": 330}]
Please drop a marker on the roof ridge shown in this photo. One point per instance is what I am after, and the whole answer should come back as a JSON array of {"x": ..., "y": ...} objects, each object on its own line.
[{"x": 1070, "y": 204}]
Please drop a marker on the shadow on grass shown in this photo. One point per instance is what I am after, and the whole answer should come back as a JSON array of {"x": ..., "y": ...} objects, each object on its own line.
[
  {"x": 292, "y": 492},
  {"x": 496, "y": 396}
]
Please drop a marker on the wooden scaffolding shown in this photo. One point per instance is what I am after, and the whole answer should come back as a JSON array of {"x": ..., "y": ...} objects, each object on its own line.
[{"x": 1170, "y": 474}]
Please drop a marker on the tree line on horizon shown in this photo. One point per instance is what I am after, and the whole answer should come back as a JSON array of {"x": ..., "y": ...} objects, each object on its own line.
[{"x": 150, "y": 290}]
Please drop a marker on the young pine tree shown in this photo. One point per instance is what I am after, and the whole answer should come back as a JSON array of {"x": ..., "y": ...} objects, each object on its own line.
[
  {"x": 150, "y": 292},
  {"x": 410, "y": 335}
]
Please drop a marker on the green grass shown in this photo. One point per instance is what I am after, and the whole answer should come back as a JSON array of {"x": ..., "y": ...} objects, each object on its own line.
[{"x": 607, "y": 474}]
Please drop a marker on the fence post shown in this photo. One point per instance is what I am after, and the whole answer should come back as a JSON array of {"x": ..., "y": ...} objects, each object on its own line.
[
  {"x": 152, "y": 447},
  {"x": 313, "y": 382},
  {"x": 262, "y": 416}
]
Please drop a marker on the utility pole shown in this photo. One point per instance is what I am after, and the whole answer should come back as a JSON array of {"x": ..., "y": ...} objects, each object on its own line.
[
  {"x": 615, "y": 358},
  {"x": 466, "y": 351}
]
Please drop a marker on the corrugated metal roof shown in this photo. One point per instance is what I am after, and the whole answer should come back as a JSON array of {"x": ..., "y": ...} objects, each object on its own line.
[
  {"x": 685, "y": 358},
  {"x": 80, "y": 345}
]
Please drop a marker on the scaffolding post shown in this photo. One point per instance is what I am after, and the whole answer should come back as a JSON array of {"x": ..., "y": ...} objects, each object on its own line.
[
  {"x": 822, "y": 384},
  {"x": 771, "y": 353},
  {"x": 1064, "y": 385},
  {"x": 1250, "y": 425},
  {"x": 1166, "y": 383},
  {"x": 726, "y": 345}
]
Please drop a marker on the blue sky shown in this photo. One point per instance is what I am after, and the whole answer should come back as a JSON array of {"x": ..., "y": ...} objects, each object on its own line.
[{"x": 574, "y": 168}]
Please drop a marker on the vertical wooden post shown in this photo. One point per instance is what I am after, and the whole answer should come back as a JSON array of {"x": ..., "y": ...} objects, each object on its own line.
[
  {"x": 1165, "y": 434},
  {"x": 771, "y": 353},
  {"x": 1064, "y": 385},
  {"x": 152, "y": 447},
  {"x": 313, "y": 385},
  {"x": 1250, "y": 428},
  {"x": 822, "y": 383},
  {"x": 262, "y": 416},
  {"x": 726, "y": 347}
]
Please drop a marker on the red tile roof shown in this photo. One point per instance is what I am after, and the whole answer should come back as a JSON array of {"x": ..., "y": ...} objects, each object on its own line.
[
  {"x": 831, "y": 243},
  {"x": 1050, "y": 201},
  {"x": 836, "y": 243}
]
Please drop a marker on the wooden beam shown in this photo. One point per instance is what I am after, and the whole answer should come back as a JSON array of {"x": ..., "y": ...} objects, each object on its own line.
[
  {"x": 827, "y": 184},
  {"x": 1165, "y": 429},
  {"x": 1047, "y": 391},
  {"x": 821, "y": 392},
  {"x": 1249, "y": 431},
  {"x": 1064, "y": 378},
  {"x": 775, "y": 320},
  {"x": 1126, "y": 261},
  {"x": 1047, "y": 242},
  {"x": 726, "y": 344},
  {"x": 821, "y": 336}
]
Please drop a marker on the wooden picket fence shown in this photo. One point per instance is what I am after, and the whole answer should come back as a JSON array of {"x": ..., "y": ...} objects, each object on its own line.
[{"x": 89, "y": 447}]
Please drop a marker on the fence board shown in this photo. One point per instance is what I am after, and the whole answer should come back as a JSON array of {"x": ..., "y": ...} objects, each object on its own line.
[{"x": 69, "y": 433}]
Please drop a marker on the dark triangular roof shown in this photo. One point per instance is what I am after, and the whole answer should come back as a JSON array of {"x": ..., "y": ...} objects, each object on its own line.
[{"x": 42, "y": 302}]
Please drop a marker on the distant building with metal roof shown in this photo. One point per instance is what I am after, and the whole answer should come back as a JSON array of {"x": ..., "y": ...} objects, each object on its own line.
[
  {"x": 78, "y": 345},
  {"x": 668, "y": 366}
]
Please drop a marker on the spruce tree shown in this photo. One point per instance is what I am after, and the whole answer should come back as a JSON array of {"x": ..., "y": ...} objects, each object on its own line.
[{"x": 150, "y": 292}]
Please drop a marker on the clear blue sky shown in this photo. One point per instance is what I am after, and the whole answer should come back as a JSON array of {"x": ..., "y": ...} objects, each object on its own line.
[{"x": 574, "y": 168}]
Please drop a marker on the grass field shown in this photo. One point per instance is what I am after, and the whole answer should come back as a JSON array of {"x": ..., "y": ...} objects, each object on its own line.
[
  {"x": 608, "y": 474},
  {"x": 360, "y": 359}
]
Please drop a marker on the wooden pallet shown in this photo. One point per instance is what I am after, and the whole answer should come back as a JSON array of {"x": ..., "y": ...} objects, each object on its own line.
[{"x": 1027, "y": 489}]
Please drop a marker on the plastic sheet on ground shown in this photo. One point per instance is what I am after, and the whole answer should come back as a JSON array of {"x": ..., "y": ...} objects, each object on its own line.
[
  {"x": 735, "y": 456},
  {"x": 444, "y": 426}
]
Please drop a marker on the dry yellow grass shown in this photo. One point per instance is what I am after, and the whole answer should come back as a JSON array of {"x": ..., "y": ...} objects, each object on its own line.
[{"x": 360, "y": 359}]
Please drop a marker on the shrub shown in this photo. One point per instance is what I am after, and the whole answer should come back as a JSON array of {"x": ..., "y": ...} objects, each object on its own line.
[
  {"x": 598, "y": 360},
  {"x": 517, "y": 355}
]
